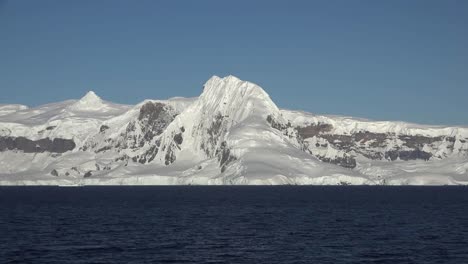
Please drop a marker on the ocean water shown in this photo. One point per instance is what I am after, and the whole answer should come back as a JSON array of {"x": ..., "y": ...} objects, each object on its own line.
[{"x": 208, "y": 224}]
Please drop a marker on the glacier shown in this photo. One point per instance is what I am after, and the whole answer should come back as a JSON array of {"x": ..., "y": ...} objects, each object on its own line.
[{"x": 232, "y": 134}]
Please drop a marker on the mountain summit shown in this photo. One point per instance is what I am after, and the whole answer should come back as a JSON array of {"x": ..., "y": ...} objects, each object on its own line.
[
  {"x": 237, "y": 97},
  {"x": 89, "y": 102},
  {"x": 233, "y": 133}
]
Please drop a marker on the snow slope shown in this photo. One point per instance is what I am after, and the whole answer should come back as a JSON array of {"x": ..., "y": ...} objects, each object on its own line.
[{"x": 233, "y": 133}]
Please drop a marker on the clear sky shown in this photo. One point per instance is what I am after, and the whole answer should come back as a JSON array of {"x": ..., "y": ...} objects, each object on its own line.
[{"x": 384, "y": 60}]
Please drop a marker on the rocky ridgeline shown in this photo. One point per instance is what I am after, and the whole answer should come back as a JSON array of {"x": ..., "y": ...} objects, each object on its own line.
[{"x": 319, "y": 140}]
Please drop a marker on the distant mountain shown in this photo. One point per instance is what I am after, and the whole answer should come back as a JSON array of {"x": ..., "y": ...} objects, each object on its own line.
[{"x": 233, "y": 133}]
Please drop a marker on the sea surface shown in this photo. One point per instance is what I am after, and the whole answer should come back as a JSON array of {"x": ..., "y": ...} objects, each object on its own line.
[{"x": 208, "y": 224}]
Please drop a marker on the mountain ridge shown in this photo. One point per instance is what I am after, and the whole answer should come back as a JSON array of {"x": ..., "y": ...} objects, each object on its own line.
[{"x": 233, "y": 133}]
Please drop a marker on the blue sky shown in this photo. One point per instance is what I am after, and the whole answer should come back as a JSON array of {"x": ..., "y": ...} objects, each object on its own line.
[{"x": 384, "y": 60}]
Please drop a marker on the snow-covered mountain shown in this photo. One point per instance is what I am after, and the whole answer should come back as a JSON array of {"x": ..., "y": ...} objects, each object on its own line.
[{"x": 233, "y": 133}]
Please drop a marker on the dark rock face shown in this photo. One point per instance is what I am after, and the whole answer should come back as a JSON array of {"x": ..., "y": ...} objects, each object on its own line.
[
  {"x": 375, "y": 139},
  {"x": 314, "y": 130},
  {"x": 371, "y": 145},
  {"x": 170, "y": 156},
  {"x": 407, "y": 155},
  {"x": 151, "y": 111},
  {"x": 145, "y": 130},
  {"x": 57, "y": 145},
  {"x": 345, "y": 161},
  {"x": 277, "y": 125},
  {"x": 214, "y": 132},
  {"x": 150, "y": 154},
  {"x": 339, "y": 141},
  {"x": 154, "y": 118},
  {"x": 224, "y": 156},
  {"x": 286, "y": 129},
  {"x": 178, "y": 138},
  {"x": 54, "y": 172},
  {"x": 214, "y": 146},
  {"x": 103, "y": 128},
  {"x": 367, "y": 144},
  {"x": 418, "y": 141},
  {"x": 103, "y": 149}
]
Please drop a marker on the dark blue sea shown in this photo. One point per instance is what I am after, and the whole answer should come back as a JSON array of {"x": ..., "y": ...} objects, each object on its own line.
[{"x": 285, "y": 224}]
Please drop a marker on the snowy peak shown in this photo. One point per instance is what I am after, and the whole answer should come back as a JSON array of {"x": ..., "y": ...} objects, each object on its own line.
[
  {"x": 232, "y": 86},
  {"x": 230, "y": 95},
  {"x": 209, "y": 122},
  {"x": 89, "y": 102},
  {"x": 91, "y": 97}
]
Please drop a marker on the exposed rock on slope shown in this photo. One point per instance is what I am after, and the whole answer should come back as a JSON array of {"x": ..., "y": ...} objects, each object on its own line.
[{"x": 57, "y": 145}]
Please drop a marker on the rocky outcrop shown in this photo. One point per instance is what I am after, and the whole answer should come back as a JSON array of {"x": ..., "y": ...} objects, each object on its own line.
[
  {"x": 54, "y": 172},
  {"x": 214, "y": 132},
  {"x": 103, "y": 128},
  {"x": 407, "y": 155},
  {"x": 314, "y": 130},
  {"x": 140, "y": 135},
  {"x": 224, "y": 156},
  {"x": 320, "y": 140},
  {"x": 153, "y": 118},
  {"x": 56, "y": 145}
]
